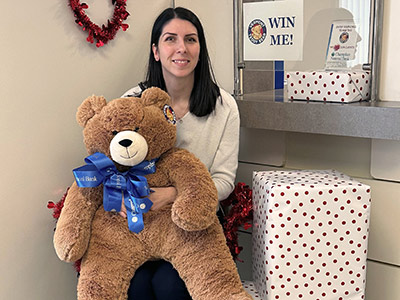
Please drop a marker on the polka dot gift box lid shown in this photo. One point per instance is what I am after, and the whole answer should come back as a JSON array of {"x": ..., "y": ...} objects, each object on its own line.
[
  {"x": 310, "y": 235},
  {"x": 329, "y": 86}
]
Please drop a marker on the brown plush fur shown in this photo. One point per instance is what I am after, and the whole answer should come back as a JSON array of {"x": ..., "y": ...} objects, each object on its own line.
[{"x": 186, "y": 233}]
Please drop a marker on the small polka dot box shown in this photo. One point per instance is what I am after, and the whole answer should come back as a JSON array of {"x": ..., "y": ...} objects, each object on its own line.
[
  {"x": 310, "y": 235},
  {"x": 343, "y": 87}
]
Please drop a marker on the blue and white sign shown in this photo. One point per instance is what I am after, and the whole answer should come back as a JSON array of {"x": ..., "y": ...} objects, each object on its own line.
[{"x": 273, "y": 30}]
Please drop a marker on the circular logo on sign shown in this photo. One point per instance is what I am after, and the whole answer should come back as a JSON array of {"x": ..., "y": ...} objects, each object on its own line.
[{"x": 257, "y": 31}]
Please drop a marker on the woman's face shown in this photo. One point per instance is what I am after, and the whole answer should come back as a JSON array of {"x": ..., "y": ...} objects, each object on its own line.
[{"x": 178, "y": 49}]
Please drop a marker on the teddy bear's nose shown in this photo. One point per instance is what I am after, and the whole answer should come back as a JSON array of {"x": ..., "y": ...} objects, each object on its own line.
[{"x": 125, "y": 143}]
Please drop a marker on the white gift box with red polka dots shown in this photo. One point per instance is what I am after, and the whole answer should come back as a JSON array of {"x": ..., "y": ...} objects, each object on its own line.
[
  {"x": 310, "y": 235},
  {"x": 250, "y": 288},
  {"x": 330, "y": 86}
]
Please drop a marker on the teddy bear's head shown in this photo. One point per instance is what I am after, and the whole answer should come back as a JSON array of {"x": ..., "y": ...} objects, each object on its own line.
[{"x": 128, "y": 130}]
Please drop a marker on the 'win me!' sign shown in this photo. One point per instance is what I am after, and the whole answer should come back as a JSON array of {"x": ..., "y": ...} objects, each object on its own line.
[{"x": 273, "y": 30}]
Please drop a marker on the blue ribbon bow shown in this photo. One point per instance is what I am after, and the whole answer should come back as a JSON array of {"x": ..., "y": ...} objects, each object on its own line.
[{"x": 130, "y": 186}]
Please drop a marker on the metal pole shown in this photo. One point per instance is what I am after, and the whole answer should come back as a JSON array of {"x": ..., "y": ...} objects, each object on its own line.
[
  {"x": 377, "y": 32},
  {"x": 238, "y": 47}
]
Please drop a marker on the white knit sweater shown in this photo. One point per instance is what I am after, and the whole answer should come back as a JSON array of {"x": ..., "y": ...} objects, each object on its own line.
[{"x": 214, "y": 139}]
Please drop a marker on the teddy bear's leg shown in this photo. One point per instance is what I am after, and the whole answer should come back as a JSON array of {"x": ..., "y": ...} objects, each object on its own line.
[
  {"x": 204, "y": 262},
  {"x": 112, "y": 258}
]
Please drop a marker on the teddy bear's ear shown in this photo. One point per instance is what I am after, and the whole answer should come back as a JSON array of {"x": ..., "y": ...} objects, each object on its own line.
[
  {"x": 155, "y": 96},
  {"x": 91, "y": 106}
]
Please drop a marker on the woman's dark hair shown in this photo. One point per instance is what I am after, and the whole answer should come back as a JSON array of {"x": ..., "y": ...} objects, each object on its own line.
[{"x": 205, "y": 91}]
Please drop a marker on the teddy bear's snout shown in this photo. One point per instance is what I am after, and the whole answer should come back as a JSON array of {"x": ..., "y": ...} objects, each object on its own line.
[
  {"x": 128, "y": 148},
  {"x": 125, "y": 143}
]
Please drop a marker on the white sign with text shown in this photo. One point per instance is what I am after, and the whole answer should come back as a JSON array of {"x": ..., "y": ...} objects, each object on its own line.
[
  {"x": 342, "y": 44},
  {"x": 273, "y": 30}
]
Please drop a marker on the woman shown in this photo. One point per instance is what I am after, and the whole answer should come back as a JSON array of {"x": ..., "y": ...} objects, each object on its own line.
[{"x": 208, "y": 126}]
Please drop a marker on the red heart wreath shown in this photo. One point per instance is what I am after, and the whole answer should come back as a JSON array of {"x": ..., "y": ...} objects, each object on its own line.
[{"x": 105, "y": 33}]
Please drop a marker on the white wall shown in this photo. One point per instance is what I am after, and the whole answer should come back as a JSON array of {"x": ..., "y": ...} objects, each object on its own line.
[
  {"x": 47, "y": 69},
  {"x": 217, "y": 20}
]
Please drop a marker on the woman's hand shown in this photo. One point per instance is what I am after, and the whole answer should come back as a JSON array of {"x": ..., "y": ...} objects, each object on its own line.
[{"x": 160, "y": 197}]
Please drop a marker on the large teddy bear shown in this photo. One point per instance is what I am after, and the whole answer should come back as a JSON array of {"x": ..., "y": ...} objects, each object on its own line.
[{"x": 119, "y": 135}]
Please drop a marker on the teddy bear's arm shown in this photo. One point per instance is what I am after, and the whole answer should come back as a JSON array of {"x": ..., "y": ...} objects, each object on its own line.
[
  {"x": 72, "y": 232},
  {"x": 197, "y": 198}
]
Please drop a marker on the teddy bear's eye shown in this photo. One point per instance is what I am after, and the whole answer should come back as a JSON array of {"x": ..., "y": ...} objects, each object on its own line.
[
  {"x": 136, "y": 129},
  {"x": 114, "y": 132}
]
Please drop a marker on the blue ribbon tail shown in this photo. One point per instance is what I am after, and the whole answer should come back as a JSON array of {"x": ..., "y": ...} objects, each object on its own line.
[
  {"x": 135, "y": 208},
  {"x": 135, "y": 222},
  {"x": 114, "y": 188},
  {"x": 145, "y": 204},
  {"x": 112, "y": 199},
  {"x": 138, "y": 187}
]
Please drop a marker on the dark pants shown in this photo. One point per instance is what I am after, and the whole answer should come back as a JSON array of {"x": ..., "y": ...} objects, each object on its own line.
[{"x": 157, "y": 280}]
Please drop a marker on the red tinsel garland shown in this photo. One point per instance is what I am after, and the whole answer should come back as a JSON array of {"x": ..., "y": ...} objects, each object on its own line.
[
  {"x": 105, "y": 33},
  {"x": 240, "y": 214},
  {"x": 57, "y": 207}
]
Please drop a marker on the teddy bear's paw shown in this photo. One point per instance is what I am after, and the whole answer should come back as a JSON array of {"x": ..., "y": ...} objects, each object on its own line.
[
  {"x": 189, "y": 222},
  {"x": 67, "y": 249},
  {"x": 68, "y": 253}
]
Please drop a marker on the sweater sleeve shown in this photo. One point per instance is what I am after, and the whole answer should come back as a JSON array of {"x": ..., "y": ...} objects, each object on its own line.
[{"x": 224, "y": 167}]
